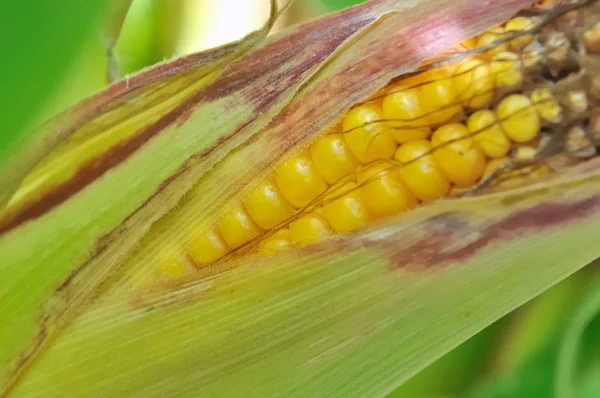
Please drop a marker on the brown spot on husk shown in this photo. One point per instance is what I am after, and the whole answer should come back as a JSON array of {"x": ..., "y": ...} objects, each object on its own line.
[{"x": 450, "y": 239}]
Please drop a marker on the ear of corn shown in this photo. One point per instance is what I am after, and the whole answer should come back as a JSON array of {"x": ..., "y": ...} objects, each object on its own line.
[{"x": 191, "y": 167}]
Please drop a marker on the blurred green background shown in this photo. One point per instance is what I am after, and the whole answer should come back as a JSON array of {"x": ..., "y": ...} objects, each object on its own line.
[{"x": 55, "y": 55}]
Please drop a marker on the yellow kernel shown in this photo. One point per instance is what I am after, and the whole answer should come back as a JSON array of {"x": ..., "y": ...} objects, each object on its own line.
[
  {"x": 348, "y": 211},
  {"x": 276, "y": 243},
  {"x": 267, "y": 206},
  {"x": 383, "y": 191},
  {"x": 439, "y": 96},
  {"x": 405, "y": 111},
  {"x": 487, "y": 133},
  {"x": 308, "y": 229},
  {"x": 169, "y": 265},
  {"x": 474, "y": 83},
  {"x": 237, "y": 227},
  {"x": 374, "y": 139},
  {"x": 420, "y": 172},
  {"x": 525, "y": 152},
  {"x": 519, "y": 24},
  {"x": 461, "y": 160},
  {"x": 332, "y": 158},
  {"x": 204, "y": 247},
  {"x": 490, "y": 36},
  {"x": 299, "y": 181},
  {"x": 518, "y": 118},
  {"x": 494, "y": 164},
  {"x": 546, "y": 105},
  {"x": 507, "y": 69}
]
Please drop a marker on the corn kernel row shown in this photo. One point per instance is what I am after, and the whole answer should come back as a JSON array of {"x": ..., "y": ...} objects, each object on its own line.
[{"x": 404, "y": 147}]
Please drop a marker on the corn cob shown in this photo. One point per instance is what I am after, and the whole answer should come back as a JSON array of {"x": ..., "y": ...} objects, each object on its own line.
[{"x": 437, "y": 133}]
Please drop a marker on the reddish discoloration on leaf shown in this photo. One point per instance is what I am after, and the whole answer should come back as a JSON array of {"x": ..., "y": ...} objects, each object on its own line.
[{"x": 450, "y": 239}]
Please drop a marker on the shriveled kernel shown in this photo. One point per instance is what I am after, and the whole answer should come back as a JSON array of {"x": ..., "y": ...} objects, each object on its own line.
[
  {"x": 519, "y": 24},
  {"x": 237, "y": 227},
  {"x": 368, "y": 136},
  {"x": 309, "y": 229},
  {"x": 461, "y": 160},
  {"x": 267, "y": 206},
  {"x": 578, "y": 143},
  {"x": 438, "y": 96},
  {"x": 474, "y": 83},
  {"x": 420, "y": 172},
  {"x": 577, "y": 101},
  {"x": 332, "y": 158},
  {"x": 348, "y": 211},
  {"x": 507, "y": 69},
  {"x": 383, "y": 191},
  {"x": 532, "y": 57},
  {"x": 404, "y": 110},
  {"x": 204, "y": 247},
  {"x": 491, "y": 36},
  {"x": 276, "y": 243},
  {"x": 518, "y": 118},
  {"x": 557, "y": 47},
  {"x": 494, "y": 164},
  {"x": 299, "y": 181},
  {"x": 546, "y": 105},
  {"x": 487, "y": 133}
]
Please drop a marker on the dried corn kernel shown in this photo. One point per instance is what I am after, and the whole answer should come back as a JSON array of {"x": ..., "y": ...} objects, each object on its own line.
[
  {"x": 205, "y": 247},
  {"x": 491, "y": 36},
  {"x": 309, "y": 229},
  {"x": 519, "y": 24},
  {"x": 439, "y": 97},
  {"x": 460, "y": 159},
  {"x": 525, "y": 152},
  {"x": 383, "y": 191},
  {"x": 421, "y": 173},
  {"x": 518, "y": 118},
  {"x": 546, "y": 105},
  {"x": 266, "y": 205},
  {"x": 487, "y": 133},
  {"x": 278, "y": 242},
  {"x": 368, "y": 138},
  {"x": 577, "y": 101},
  {"x": 332, "y": 158},
  {"x": 237, "y": 227},
  {"x": 507, "y": 69},
  {"x": 404, "y": 109},
  {"x": 474, "y": 83},
  {"x": 591, "y": 39},
  {"x": 299, "y": 181}
]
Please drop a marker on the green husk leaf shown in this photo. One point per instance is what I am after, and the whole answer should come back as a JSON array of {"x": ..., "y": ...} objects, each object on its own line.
[
  {"x": 59, "y": 218},
  {"x": 353, "y": 316}
]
